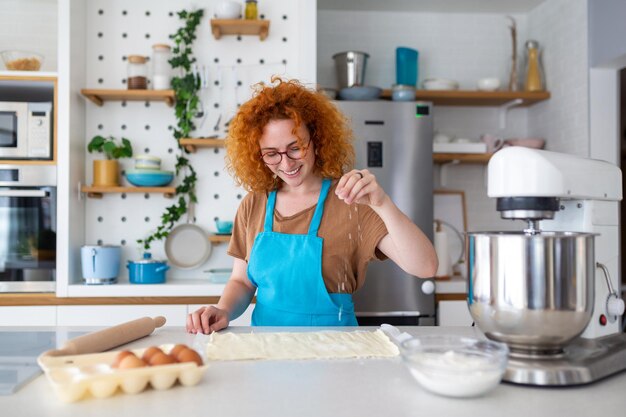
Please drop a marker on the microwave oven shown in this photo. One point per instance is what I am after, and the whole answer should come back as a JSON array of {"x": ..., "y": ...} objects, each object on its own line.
[{"x": 25, "y": 130}]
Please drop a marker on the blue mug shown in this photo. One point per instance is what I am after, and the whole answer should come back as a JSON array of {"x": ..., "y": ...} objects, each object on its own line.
[{"x": 406, "y": 66}]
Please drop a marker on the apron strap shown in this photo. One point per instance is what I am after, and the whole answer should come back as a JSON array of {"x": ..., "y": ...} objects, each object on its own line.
[
  {"x": 319, "y": 209},
  {"x": 269, "y": 212}
]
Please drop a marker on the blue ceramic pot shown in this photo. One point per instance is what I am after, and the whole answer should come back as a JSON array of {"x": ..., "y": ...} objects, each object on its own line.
[{"x": 147, "y": 270}]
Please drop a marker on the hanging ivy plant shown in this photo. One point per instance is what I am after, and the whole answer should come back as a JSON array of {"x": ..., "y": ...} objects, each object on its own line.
[{"x": 186, "y": 87}]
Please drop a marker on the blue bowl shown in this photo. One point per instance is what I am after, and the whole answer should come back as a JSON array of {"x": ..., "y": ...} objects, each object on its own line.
[
  {"x": 149, "y": 178},
  {"x": 224, "y": 226},
  {"x": 360, "y": 93}
]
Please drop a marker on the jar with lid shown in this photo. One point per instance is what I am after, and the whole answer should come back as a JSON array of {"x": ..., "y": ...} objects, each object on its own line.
[
  {"x": 533, "y": 77},
  {"x": 137, "y": 72},
  {"x": 161, "y": 69},
  {"x": 252, "y": 12}
]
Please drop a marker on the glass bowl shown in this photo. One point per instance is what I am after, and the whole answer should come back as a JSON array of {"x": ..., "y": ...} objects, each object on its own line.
[
  {"x": 455, "y": 366},
  {"x": 21, "y": 60}
]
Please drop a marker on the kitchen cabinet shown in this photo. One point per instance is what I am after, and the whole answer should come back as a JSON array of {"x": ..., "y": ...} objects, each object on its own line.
[
  {"x": 109, "y": 315},
  {"x": 28, "y": 316},
  {"x": 103, "y": 315},
  {"x": 220, "y": 27}
]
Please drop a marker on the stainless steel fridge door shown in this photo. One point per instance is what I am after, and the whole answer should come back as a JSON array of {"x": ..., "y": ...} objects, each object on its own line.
[{"x": 393, "y": 140}]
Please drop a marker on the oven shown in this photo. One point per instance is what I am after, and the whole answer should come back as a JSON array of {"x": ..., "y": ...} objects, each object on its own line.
[{"x": 28, "y": 228}]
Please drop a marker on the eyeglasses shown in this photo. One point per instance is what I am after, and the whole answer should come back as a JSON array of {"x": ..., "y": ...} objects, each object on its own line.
[{"x": 293, "y": 152}]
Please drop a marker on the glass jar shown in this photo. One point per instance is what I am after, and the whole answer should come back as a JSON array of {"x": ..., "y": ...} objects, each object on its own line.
[
  {"x": 252, "y": 12},
  {"x": 137, "y": 72},
  {"x": 161, "y": 69},
  {"x": 533, "y": 77}
]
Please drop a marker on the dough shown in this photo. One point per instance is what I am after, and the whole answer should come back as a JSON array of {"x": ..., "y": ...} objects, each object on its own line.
[{"x": 305, "y": 345}]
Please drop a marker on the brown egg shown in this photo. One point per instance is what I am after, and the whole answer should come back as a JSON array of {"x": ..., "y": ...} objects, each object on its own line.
[
  {"x": 161, "y": 359},
  {"x": 120, "y": 356},
  {"x": 176, "y": 350},
  {"x": 189, "y": 355},
  {"x": 149, "y": 353},
  {"x": 131, "y": 361}
]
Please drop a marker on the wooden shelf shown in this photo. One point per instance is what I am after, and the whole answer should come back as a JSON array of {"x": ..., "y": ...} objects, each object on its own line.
[
  {"x": 219, "y": 238},
  {"x": 476, "y": 98},
  {"x": 221, "y": 27},
  {"x": 191, "y": 144},
  {"x": 98, "y": 191},
  {"x": 100, "y": 96},
  {"x": 468, "y": 158}
]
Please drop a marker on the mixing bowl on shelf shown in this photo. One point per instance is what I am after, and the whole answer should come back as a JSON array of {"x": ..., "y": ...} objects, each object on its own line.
[{"x": 21, "y": 60}]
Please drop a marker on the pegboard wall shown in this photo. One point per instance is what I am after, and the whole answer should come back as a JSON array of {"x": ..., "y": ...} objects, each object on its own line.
[{"x": 232, "y": 64}]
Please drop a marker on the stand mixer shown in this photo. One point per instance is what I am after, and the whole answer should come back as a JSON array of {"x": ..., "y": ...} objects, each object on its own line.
[{"x": 536, "y": 290}]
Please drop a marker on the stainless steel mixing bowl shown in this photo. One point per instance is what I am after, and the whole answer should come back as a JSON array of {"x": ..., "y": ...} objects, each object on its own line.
[{"x": 533, "y": 292}]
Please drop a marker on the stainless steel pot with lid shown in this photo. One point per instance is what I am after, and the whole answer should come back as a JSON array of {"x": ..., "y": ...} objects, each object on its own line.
[{"x": 535, "y": 292}]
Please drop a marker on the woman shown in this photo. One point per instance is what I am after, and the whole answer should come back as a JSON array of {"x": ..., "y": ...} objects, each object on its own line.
[{"x": 304, "y": 234}]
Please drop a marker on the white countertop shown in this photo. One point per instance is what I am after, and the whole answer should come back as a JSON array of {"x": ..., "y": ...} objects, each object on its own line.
[{"x": 316, "y": 388}]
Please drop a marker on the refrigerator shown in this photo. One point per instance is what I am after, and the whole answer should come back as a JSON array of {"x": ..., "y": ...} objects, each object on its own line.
[{"x": 394, "y": 141}]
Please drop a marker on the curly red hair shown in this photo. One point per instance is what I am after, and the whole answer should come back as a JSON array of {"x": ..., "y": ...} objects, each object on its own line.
[{"x": 328, "y": 128}]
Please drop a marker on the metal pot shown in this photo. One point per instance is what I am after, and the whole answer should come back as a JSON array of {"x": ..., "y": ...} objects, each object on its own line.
[
  {"x": 533, "y": 292},
  {"x": 350, "y": 68},
  {"x": 147, "y": 270}
]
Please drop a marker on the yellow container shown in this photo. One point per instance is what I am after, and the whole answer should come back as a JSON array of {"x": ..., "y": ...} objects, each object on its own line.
[{"x": 252, "y": 12}]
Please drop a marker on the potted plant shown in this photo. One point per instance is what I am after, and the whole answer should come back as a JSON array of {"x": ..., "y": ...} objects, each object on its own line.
[{"x": 105, "y": 171}]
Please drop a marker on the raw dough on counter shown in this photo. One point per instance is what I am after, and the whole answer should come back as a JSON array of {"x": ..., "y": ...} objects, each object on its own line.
[{"x": 305, "y": 345}]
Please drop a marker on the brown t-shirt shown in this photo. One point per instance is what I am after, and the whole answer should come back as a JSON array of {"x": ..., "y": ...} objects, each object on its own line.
[{"x": 350, "y": 232}]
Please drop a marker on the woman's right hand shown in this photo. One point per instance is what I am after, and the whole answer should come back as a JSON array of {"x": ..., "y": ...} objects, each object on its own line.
[{"x": 207, "y": 319}]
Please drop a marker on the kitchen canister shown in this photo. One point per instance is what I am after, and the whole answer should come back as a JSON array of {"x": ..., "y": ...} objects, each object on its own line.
[
  {"x": 161, "y": 69},
  {"x": 100, "y": 263},
  {"x": 137, "y": 72},
  {"x": 406, "y": 66}
]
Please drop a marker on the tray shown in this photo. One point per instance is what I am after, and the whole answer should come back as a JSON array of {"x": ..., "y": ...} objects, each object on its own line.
[{"x": 73, "y": 377}]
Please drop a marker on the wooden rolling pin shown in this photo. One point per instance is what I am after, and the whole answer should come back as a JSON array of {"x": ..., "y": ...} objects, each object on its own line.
[{"x": 106, "y": 339}]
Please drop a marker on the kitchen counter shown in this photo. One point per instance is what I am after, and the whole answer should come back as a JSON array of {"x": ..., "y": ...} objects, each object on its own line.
[{"x": 363, "y": 387}]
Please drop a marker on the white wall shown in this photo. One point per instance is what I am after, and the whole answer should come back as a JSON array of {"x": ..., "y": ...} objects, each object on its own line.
[
  {"x": 560, "y": 26},
  {"x": 30, "y": 26}
]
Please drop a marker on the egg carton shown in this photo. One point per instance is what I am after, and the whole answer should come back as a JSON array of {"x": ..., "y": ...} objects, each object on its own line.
[{"x": 73, "y": 377}]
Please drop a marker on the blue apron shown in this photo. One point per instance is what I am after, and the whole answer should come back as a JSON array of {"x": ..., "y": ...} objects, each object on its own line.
[{"x": 287, "y": 270}]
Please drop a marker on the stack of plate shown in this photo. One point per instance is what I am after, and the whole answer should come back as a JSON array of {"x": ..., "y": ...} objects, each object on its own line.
[
  {"x": 440, "y": 84},
  {"x": 148, "y": 173}
]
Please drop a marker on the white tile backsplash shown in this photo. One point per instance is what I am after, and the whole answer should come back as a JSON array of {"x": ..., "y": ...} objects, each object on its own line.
[{"x": 467, "y": 47}]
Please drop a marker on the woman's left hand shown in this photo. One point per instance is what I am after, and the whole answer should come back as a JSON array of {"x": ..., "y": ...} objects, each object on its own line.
[{"x": 361, "y": 187}]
